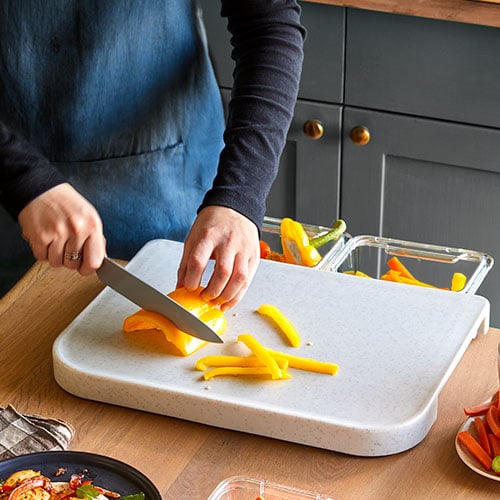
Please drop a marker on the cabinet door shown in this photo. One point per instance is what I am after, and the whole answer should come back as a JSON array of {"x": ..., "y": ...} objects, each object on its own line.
[
  {"x": 307, "y": 186},
  {"x": 423, "y": 67},
  {"x": 323, "y": 73},
  {"x": 425, "y": 181},
  {"x": 308, "y": 182}
]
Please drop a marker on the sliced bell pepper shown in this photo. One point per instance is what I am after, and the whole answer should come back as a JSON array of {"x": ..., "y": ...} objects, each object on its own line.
[
  {"x": 398, "y": 277},
  {"x": 253, "y": 371},
  {"x": 358, "y": 273},
  {"x": 296, "y": 245},
  {"x": 458, "y": 281},
  {"x": 208, "y": 312},
  {"x": 339, "y": 228},
  {"x": 308, "y": 364},
  {"x": 234, "y": 361},
  {"x": 283, "y": 323},
  {"x": 261, "y": 352},
  {"x": 226, "y": 360}
]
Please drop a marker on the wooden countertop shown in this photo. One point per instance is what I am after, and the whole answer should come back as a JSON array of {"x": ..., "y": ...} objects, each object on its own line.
[
  {"x": 187, "y": 460},
  {"x": 484, "y": 12}
]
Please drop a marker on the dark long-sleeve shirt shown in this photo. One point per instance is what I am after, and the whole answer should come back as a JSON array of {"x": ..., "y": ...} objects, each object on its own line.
[{"x": 267, "y": 43}]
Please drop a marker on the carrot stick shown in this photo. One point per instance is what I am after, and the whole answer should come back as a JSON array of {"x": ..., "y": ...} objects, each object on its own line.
[
  {"x": 480, "y": 409},
  {"x": 395, "y": 264},
  {"x": 482, "y": 432},
  {"x": 475, "y": 449},
  {"x": 493, "y": 420},
  {"x": 494, "y": 444}
]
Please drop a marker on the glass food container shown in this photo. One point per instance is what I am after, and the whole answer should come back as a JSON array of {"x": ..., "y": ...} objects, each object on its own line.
[
  {"x": 431, "y": 264},
  {"x": 245, "y": 488}
]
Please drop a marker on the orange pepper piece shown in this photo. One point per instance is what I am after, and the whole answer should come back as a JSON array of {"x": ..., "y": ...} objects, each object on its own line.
[{"x": 208, "y": 312}]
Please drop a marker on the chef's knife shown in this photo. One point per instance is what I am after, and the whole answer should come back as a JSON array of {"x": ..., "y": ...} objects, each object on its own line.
[{"x": 147, "y": 297}]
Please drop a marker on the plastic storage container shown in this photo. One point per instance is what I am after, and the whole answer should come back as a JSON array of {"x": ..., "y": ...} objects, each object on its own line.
[
  {"x": 271, "y": 234},
  {"x": 431, "y": 264},
  {"x": 244, "y": 488}
]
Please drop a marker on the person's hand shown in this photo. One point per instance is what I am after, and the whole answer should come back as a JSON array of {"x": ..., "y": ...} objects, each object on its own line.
[
  {"x": 232, "y": 240},
  {"x": 62, "y": 227}
]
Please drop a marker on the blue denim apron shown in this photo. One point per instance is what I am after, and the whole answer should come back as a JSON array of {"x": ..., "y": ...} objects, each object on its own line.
[{"x": 121, "y": 97}]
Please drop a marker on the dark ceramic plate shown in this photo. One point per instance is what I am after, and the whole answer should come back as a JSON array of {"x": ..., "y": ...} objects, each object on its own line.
[{"x": 103, "y": 471}]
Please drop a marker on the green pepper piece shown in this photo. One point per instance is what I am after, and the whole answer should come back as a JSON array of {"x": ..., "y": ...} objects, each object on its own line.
[{"x": 334, "y": 234}]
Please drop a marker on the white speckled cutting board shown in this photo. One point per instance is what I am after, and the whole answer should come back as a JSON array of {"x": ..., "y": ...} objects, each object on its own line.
[{"x": 396, "y": 346}]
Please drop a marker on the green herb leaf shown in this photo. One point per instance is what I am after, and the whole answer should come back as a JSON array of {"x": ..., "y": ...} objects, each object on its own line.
[
  {"x": 136, "y": 496},
  {"x": 87, "y": 492}
]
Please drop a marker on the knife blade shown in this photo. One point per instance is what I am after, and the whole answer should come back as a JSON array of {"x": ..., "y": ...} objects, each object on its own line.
[{"x": 147, "y": 297}]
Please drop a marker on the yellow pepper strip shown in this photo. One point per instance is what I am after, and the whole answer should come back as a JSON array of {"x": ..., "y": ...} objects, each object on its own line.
[
  {"x": 261, "y": 352},
  {"x": 358, "y": 273},
  {"x": 234, "y": 361},
  {"x": 185, "y": 343},
  {"x": 223, "y": 360},
  {"x": 296, "y": 246},
  {"x": 458, "y": 281},
  {"x": 396, "y": 276},
  {"x": 283, "y": 323},
  {"x": 241, "y": 370},
  {"x": 305, "y": 363}
]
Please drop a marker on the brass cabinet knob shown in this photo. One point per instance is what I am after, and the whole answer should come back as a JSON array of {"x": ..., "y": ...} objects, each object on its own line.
[
  {"x": 360, "y": 135},
  {"x": 314, "y": 129}
]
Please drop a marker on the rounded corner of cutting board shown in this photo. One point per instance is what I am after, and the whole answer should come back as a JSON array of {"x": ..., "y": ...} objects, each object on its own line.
[{"x": 68, "y": 375}]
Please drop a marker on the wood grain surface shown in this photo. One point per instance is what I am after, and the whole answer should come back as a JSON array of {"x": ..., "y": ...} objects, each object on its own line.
[
  {"x": 482, "y": 12},
  {"x": 187, "y": 460}
]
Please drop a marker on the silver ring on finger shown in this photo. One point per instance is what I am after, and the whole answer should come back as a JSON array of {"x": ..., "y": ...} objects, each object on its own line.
[{"x": 73, "y": 256}]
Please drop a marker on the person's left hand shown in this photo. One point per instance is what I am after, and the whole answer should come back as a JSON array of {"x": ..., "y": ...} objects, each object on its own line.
[{"x": 232, "y": 240}]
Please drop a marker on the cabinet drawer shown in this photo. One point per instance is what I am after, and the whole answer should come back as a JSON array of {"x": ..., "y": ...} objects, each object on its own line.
[
  {"x": 423, "y": 67},
  {"x": 322, "y": 75}
]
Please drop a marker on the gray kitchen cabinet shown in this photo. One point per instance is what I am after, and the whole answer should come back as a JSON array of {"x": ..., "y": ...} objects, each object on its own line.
[
  {"x": 307, "y": 186},
  {"x": 324, "y": 48},
  {"x": 423, "y": 67},
  {"x": 426, "y": 181}
]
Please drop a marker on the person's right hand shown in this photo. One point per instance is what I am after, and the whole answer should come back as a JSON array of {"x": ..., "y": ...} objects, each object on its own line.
[{"x": 63, "y": 228}]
